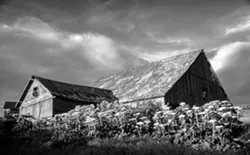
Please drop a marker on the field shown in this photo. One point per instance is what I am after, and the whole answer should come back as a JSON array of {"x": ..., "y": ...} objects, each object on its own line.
[{"x": 150, "y": 128}]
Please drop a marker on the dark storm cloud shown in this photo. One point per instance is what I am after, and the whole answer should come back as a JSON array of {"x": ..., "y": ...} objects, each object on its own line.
[
  {"x": 2, "y": 2},
  {"x": 78, "y": 41}
]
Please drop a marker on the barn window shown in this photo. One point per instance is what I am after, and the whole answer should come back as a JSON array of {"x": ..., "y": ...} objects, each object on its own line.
[
  {"x": 35, "y": 92},
  {"x": 204, "y": 93}
]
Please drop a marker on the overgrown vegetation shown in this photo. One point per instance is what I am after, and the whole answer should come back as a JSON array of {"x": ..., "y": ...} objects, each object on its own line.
[{"x": 149, "y": 128}]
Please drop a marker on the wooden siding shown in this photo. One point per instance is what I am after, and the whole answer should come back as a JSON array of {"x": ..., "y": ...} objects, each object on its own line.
[
  {"x": 61, "y": 105},
  {"x": 190, "y": 87},
  {"x": 40, "y": 106},
  {"x": 9, "y": 112},
  {"x": 141, "y": 102}
]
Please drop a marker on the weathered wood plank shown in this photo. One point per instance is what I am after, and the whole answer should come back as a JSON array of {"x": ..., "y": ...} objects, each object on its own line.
[
  {"x": 190, "y": 87},
  {"x": 35, "y": 101},
  {"x": 61, "y": 105}
]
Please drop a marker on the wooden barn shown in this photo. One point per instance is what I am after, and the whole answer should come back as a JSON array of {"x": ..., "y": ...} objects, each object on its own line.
[
  {"x": 9, "y": 108},
  {"x": 185, "y": 78},
  {"x": 45, "y": 98}
]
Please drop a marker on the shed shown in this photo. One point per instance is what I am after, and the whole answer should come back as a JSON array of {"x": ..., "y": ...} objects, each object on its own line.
[
  {"x": 43, "y": 97},
  {"x": 9, "y": 108},
  {"x": 187, "y": 77}
]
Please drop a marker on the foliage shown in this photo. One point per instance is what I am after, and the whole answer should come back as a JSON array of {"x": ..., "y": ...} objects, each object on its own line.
[
  {"x": 213, "y": 126},
  {"x": 5, "y": 130},
  {"x": 22, "y": 126}
]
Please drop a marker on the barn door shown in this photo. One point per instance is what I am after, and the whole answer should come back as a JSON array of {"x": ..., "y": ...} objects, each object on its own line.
[{"x": 36, "y": 110}]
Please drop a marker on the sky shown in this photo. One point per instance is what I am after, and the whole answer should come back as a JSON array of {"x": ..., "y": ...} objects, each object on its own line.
[{"x": 79, "y": 41}]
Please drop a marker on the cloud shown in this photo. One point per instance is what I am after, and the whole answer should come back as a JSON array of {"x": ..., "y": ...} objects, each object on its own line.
[
  {"x": 224, "y": 55},
  {"x": 239, "y": 28},
  {"x": 236, "y": 21},
  {"x": 100, "y": 50},
  {"x": 157, "y": 37},
  {"x": 93, "y": 38},
  {"x": 30, "y": 46},
  {"x": 33, "y": 28},
  {"x": 154, "y": 55},
  {"x": 37, "y": 28},
  {"x": 232, "y": 63}
]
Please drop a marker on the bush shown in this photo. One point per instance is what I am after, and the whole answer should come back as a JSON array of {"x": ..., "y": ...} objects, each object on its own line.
[
  {"x": 213, "y": 126},
  {"x": 6, "y": 134}
]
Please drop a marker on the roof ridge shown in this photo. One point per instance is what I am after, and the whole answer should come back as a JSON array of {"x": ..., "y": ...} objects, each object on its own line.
[
  {"x": 162, "y": 60},
  {"x": 75, "y": 92},
  {"x": 200, "y": 51},
  {"x": 67, "y": 83}
]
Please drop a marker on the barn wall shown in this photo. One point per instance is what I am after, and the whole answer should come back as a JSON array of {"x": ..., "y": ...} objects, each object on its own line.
[
  {"x": 142, "y": 102},
  {"x": 61, "y": 105},
  {"x": 9, "y": 112},
  {"x": 40, "y": 106},
  {"x": 191, "y": 86}
]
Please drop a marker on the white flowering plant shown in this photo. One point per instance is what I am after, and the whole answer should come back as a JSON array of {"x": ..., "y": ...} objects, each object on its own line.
[{"x": 214, "y": 125}]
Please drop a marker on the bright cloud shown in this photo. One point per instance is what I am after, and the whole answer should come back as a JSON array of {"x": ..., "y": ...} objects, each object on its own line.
[
  {"x": 239, "y": 28},
  {"x": 36, "y": 28},
  {"x": 226, "y": 54},
  {"x": 99, "y": 49},
  {"x": 156, "y": 55},
  {"x": 4, "y": 28},
  {"x": 234, "y": 71},
  {"x": 167, "y": 40}
]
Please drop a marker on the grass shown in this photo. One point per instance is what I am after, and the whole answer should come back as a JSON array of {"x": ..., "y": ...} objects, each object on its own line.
[{"x": 135, "y": 146}]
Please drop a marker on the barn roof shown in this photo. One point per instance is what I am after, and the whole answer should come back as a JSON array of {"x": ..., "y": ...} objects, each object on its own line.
[
  {"x": 9, "y": 105},
  {"x": 148, "y": 81},
  {"x": 71, "y": 91},
  {"x": 76, "y": 92}
]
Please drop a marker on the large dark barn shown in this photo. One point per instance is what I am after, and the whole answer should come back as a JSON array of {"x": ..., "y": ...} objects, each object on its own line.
[{"x": 186, "y": 78}]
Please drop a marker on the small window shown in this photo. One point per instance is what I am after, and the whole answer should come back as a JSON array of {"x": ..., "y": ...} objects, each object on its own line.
[
  {"x": 35, "y": 92},
  {"x": 204, "y": 93}
]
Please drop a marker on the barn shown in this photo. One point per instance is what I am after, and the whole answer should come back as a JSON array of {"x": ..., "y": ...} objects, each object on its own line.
[
  {"x": 43, "y": 97},
  {"x": 9, "y": 108},
  {"x": 187, "y": 77}
]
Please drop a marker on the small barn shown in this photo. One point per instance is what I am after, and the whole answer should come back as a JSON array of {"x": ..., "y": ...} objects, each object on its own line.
[
  {"x": 187, "y": 77},
  {"x": 9, "y": 108},
  {"x": 43, "y": 97}
]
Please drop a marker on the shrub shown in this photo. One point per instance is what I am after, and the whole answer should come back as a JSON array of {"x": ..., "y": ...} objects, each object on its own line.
[{"x": 214, "y": 126}]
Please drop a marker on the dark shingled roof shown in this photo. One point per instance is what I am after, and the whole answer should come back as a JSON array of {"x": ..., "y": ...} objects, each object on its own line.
[
  {"x": 76, "y": 92},
  {"x": 72, "y": 92},
  {"x": 9, "y": 105},
  {"x": 150, "y": 80}
]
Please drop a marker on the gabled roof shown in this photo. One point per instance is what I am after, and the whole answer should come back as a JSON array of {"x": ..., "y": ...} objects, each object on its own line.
[
  {"x": 150, "y": 80},
  {"x": 9, "y": 105},
  {"x": 72, "y": 91}
]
